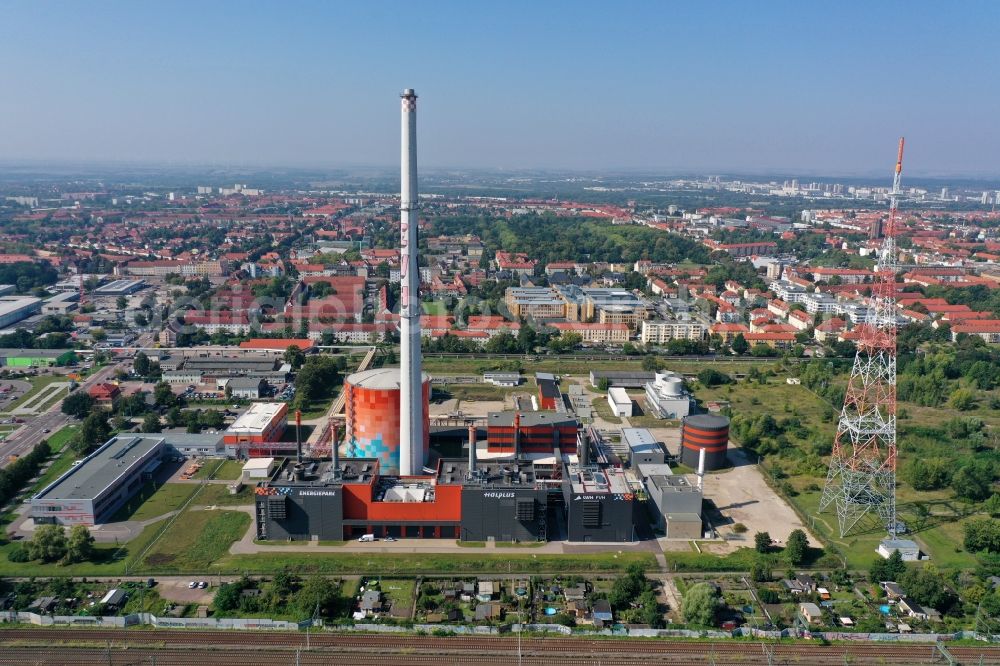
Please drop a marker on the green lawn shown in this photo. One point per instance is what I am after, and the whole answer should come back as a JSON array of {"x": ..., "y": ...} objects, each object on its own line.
[
  {"x": 153, "y": 500},
  {"x": 399, "y": 592},
  {"x": 61, "y": 437},
  {"x": 62, "y": 463},
  {"x": 315, "y": 409},
  {"x": 941, "y": 537},
  {"x": 473, "y": 392},
  {"x": 52, "y": 400},
  {"x": 434, "y": 308},
  {"x": 943, "y": 542},
  {"x": 227, "y": 470},
  {"x": 196, "y": 540},
  {"x": 603, "y": 410},
  {"x": 777, "y": 398},
  {"x": 218, "y": 494},
  {"x": 412, "y": 563},
  {"x": 572, "y": 365}
]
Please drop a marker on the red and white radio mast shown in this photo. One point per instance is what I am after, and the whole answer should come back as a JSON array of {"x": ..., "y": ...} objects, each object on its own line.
[{"x": 862, "y": 474}]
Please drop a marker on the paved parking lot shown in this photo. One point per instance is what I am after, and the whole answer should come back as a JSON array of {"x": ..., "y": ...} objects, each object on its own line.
[{"x": 177, "y": 590}]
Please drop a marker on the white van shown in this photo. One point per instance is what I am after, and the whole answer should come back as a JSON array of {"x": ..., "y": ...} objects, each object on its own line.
[{"x": 366, "y": 537}]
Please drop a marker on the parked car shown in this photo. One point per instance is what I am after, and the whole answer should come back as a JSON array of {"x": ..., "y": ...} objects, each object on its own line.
[{"x": 192, "y": 585}]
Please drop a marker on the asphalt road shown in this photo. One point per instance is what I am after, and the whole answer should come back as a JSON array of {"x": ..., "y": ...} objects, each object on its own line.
[{"x": 32, "y": 432}]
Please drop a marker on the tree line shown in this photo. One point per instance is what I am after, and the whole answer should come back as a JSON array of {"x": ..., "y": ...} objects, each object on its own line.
[{"x": 549, "y": 238}]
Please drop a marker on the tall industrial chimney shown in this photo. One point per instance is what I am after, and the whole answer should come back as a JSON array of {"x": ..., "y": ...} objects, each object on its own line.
[
  {"x": 298, "y": 436},
  {"x": 411, "y": 426},
  {"x": 472, "y": 449}
]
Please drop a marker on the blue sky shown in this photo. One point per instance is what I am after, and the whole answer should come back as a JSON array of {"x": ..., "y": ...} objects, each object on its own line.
[{"x": 707, "y": 86}]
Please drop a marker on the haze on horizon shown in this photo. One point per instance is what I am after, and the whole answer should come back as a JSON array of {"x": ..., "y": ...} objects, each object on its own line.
[{"x": 726, "y": 87}]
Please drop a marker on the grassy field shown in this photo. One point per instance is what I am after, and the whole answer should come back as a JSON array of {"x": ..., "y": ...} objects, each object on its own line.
[
  {"x": 434, "y": 308},
  {"x": 940, "y": 534},
  {"x": 37, "y": 384},
  {"x": 413, "y": 563},
  {"x": 61, "y": 437},
  {"x": 153, "y": 500},
  {"x": 109, "y": 559},
  {"x": 777, "y": 398},
  {"x": 196, "y": 540},
  {"x": 935, "y": 416},
  {"x": 555, "y": 364},
  {"x": 741, "y": 560},
  {"x": 318, "y": 408},
  {"x": 227, "y": 470},
  {"x": 474, "y": 392},
  {"x": 603, "y": 409},
  {"x": 218, "y": 494},
  {"x": 63, "y": 460},
  {"x": 570, "y": 365},
  {"x": 399, "y": 592}
]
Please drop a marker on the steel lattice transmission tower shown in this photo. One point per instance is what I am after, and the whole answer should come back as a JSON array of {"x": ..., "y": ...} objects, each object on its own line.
[{"x": 862, "y": 475}]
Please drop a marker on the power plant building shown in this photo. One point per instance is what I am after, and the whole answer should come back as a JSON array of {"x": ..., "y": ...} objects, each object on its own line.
[
  {"x": 705, "y": 431},
  {"x": 530, "y": 432},
  {"x": 600, "y": 504},
  {"x": 549, "y": 395},
  {"x": 502, "y": 501},
  {"x": 372, "y": 405},
  {"x": 643, "y": 448},
  {"x": 667, "y": 398},
  {"x": 258, "y": 432},
  {"x": 619, "y": 401},
  {"x": 678, "y": 505}
]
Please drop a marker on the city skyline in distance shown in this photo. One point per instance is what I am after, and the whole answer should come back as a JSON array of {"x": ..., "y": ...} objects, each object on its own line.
[{"x": 778, "y": 89}]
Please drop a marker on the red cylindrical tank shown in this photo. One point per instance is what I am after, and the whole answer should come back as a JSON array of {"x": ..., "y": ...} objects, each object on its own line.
[
  {"x": 371, "y": 405},
  {"x": 705, "y": 431}
]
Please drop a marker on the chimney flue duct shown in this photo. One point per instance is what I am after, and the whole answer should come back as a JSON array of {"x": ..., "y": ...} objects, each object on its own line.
[
  {"x": 517, "y": 435},
  {"x": 701, "y": 470},
  {"x": 335, "y": 449}
]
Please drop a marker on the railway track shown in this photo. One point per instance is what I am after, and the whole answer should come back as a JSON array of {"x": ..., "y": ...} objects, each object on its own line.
[{"x": 142, "y": 646}]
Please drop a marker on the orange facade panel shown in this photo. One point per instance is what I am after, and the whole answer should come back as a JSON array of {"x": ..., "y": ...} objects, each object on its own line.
[{"x": 359, "y": 504}]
